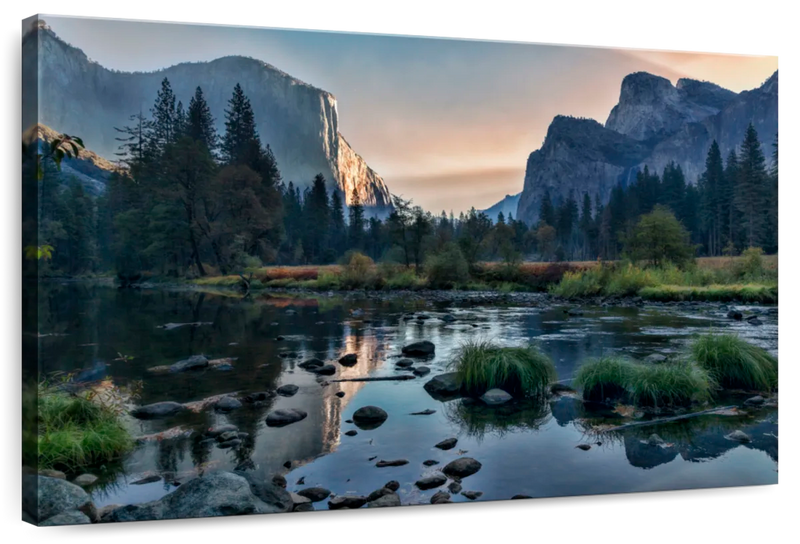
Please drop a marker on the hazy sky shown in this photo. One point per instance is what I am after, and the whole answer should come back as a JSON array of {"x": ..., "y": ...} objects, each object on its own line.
[{"x": 448, "y": 123}]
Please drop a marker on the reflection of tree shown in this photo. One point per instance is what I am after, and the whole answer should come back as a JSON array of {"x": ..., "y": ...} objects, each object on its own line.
[
  {"x": 477, "y": 419},
  {"x": 170, "y": 453}
]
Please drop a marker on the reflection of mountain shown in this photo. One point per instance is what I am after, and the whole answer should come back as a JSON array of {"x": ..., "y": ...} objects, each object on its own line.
[
  {"x": 700, "y": 440},
  {"x": 130, "y": 322}
]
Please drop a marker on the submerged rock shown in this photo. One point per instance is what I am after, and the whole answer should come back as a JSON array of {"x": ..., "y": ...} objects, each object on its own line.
[
  {"x": 378, "y": 493},
  {"x": 430, "y": 462},
  {"x": 351, "y": 433},
  {"x": 85, "y": 480},
  {"x": 404, "y": 363},
  {"x": 454, "y": 488},
  {"x": 427, "y": 412},
  {"x": 393, "y": 463},
  {"x": 518, "y": 497},
  {"x": 158, "y": 410},
  {"x": 286, "y": 416},
  {"x": 324, "y": 370},
  {"x": 195, "y": 362},
  {"x": 735, "y": 314},
  {"x": 311, "y": 363},
  {"x": 739, "y": 436},
  {"x": 419, "y": 349},
  {"x": 444, "y": 385},
  {"x": 496, "y": 397},
  {"x": 227, "y": 404},
  {"x": 758, "y": 400},
  {"x": 421, "y": 371},
  {"x": 584, "y": 447}
]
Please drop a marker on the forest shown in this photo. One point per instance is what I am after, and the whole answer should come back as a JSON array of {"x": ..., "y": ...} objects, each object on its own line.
[{"x": 190, "y": 202}]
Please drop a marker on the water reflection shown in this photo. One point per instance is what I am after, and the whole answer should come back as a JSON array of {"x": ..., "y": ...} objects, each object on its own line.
[{"x": 269, "y": 335}]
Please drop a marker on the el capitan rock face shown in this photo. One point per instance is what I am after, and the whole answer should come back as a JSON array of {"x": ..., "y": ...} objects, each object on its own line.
[
  {"x": 653, "y": 123},
  {"x": 298, "y": 121}
]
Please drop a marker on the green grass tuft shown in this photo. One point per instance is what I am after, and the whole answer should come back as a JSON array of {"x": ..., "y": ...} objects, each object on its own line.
[
  {"x": 734, "y": 363},
  {"x": 482, "y": 365},
  {"x": 607, "y": 378},
  {"x": 74, "y": 432}
]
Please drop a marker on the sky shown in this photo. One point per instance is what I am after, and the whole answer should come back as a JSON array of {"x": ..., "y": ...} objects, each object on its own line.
[{"x": 447, "y": 123}]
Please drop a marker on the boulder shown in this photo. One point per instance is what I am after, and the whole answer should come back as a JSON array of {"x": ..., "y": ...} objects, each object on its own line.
[
  {"x": 430, "y": 462},
  {"x": 324, "y": 370},
  {"x": 45, "y": 497},
  {"x": 421, "y": 371},
  {"x": 739, "y": 436},
  {"x": 255, "y": 398},
  {"x": 447, "y": 444},
  {"x": 273, "y": 497},
  {"x": 454, "y": 488},
  {"x": 85, "y": 480},
  {"x": 472, "y": 495},
  {"x": 444, "y": 385},
  {"x": 496, "y": 397},
  {"x": 71, "y": 517},
  {"x": 404, "y": 363},
  {"x": 351, "y": 432},
  {"x": 158, "y": 410},
  {"x": 298, "y": 500},
  {"x": 378, "y": 493},
  {"x": 755, "y": 321},
  {"x": 369, "y": 417},
  {"x": 195, "y": 362},
  {"x": 389, "y": 499},
  {"x": 440, "y": 497},
  {"x": 394, "y": 485},
  {"x": 461, "y": 468},
  {"x": 419, "y": 349},
  {"x": 217, "y": 494},
  {"x": 448, "y": 318},
  {"x": 50, "y": 473},
  {"x": 286, "y": 416},
  {"x": 758, "y": 400},
  {"x": 735, "y": 314}
]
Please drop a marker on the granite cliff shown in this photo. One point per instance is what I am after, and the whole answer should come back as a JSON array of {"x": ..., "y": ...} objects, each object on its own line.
[
  {"x": 653, "y": 123},
  {"x": 299, "y": 122}
]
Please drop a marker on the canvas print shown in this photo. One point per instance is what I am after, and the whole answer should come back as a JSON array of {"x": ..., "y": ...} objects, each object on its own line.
[{"x": 274, "y": 271}]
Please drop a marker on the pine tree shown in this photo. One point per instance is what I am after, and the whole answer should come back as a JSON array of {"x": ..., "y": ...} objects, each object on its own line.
[
  {"x": 752, "y": 190},
  {"x": 241, "y": 143},
  {"x": 356, "y": 223},
  {"x": 711, "y": 191},
  {"x": 547, "y": 213},
  {"x": 586, "y": 226},
  {"x": 164, "y": 117},
  {"x": 180, "y": 121},
  {"x": 200, "y": 123},
  {"x": 673, "y": 190},
  {"x": 731, "y": 225},
  {"x": 316, "y": 218},
  {"x": 338, "y": 229}
]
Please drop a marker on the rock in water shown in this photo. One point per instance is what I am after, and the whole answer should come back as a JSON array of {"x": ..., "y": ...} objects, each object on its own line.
[
  {"x": 312, "y": 363},
  {"x": 315, "y": 494},
  {"x": 194, "y": 362},
  {"x": 280, "y": 418},
  {"x": 419, "y": 349},
  {"x": 447, "y": 444},
  {"x": 655, "y": 359},
  {"x": 461, "y": 468},
  {"x": 739, "y": 436},
  {"x": 288, "y": 390},
  {"x": 347, "y": 501},
  {"x": 472, "y": 495},
  {"x": 72, "y": 517},
  {"x": 404, "y": 363},
  {"x": 440, "y": 497},
  {"x": 369, "y": 417},
  {"x": 158, "y": 410},
  {"x": 348, "y": 360},
  {"x": 496, "y": 397},
  {"x": 392, "y": 485},
  {"x": 226, "y": 404},
  {"x": 324, "y": 370},
  {"x": 735, "y": 314},
  {"x": 85, "y": 480},
  {"x": 444, "y": 385},
  {"x": 389, "y": 499},
  {"x": 437, "y": 480},
  {"x": 392, "y": 463},
  {"x": 421, "y": 371},
  {"x": 758, "y": 400}
]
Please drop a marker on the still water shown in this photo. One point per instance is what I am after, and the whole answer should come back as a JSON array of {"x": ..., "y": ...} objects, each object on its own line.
[{"x": 529, "y": 450}]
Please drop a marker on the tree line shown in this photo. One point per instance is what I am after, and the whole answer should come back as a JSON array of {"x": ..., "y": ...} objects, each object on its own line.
[{"x": 192, "y": 202}]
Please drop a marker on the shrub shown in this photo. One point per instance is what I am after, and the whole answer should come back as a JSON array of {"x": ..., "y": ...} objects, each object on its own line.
[
  {"x": 481, "y": 366},
  {"x": 659, "y": 238},
  {"x": 751, "y": 265},
  {"x": 357, "y": 272},
  {"x": 447, "y": 267},
  {"x": 734, "y": 363},
  {"x": 395, "y": 276}
]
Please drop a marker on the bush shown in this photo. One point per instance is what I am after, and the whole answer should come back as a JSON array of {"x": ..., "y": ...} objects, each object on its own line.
[
  {"x": 447, "y": 267},
  {"x": 358, "y": 272},
  {"x": 751, "y": 265},
  {"x": 659, "y": 238},
  {"x": 395, "y": 276},
  {"x": 481, "y": 366},
  {"x": 734, "y": 363}
]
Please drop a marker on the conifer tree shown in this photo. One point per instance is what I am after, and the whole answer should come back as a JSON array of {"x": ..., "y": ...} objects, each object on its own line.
[
  {"x": 316, "y": 218},
  {"x": 241, "y": 143},
  {"x": 164, "y": 117},
  {"x": 338, "y": 235},
  {"x": 200, "y": 123},
  {"x": 711, "y": 188},
  {"x": 547, "y": 213},
  {"x": 356, "y": 224},
  {"x": 752, "y": 189}
]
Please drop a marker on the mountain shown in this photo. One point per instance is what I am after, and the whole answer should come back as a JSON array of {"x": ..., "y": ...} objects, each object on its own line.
[
  {"x": 653, "y": 123},
  {"x": 298, "y": 121},
  {"x": 90, "y": 169},
  {"x": 508, "y": 206}
]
